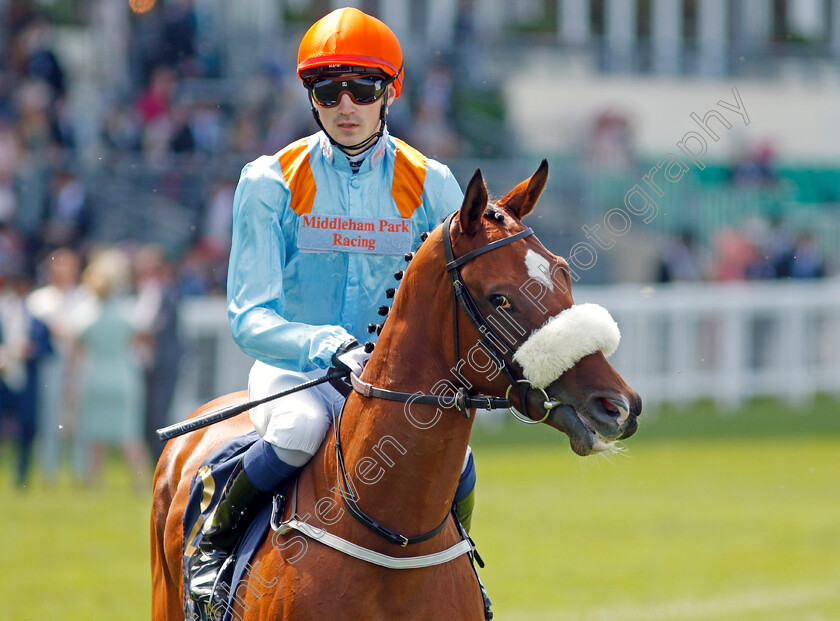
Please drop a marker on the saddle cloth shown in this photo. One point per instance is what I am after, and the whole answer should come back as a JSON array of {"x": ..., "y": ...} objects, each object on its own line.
[{"x": 205, "y": 493}]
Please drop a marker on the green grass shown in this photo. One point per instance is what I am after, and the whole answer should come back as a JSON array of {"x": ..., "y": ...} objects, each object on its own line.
[
  {"x": 72, "y": 553},
  {"x": 708, "y": 516}
]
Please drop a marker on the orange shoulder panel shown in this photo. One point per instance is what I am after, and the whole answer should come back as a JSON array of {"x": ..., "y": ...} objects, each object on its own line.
[
  {"x": 409, "y": 176},
  {"x": 294, "y": 160}
]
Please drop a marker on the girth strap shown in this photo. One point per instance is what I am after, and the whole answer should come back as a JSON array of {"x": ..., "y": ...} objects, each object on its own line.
[{"x": 465, "y": 546}]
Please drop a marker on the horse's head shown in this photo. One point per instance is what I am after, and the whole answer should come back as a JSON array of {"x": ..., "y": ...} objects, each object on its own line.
[{"x": 527, "y": 322}]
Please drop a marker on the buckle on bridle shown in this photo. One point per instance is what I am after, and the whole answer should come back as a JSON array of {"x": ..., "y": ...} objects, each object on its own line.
[
  {"x": 548, "y": 404},
  {"x": 461, "y": 402}
]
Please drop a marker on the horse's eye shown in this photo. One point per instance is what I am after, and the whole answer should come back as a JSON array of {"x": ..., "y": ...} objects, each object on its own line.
[{"x": 501, "y": 301}]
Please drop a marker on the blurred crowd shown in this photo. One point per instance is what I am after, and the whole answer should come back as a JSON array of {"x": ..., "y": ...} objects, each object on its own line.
[
  {"x": 175, "y": 111},
  {"x": 88, "y": 329},
  {"x": 759, "y": 250},
  {"x": 89, "y": 357}
]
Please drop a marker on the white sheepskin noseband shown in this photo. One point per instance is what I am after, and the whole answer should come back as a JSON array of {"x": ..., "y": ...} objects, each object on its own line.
[{"x": 578, "y": 331}]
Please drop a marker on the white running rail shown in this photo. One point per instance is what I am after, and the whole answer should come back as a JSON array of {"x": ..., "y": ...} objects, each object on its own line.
[{"x": 679, "y": 343}]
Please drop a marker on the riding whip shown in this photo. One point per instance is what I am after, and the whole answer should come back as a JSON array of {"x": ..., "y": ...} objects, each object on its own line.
[{"x": 229, "y": 411}]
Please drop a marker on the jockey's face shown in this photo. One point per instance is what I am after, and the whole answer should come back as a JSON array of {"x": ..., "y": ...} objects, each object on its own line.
[{"x": 350, "y": 123}]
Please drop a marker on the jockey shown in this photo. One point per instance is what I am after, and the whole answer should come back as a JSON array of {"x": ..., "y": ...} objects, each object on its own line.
[{"x": 305, "y": 276}]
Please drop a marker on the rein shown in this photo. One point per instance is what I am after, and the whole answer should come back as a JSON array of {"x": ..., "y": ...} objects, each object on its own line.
[
  {"x": 353, "y": 507},
  {"x": 462, "y": 402}
]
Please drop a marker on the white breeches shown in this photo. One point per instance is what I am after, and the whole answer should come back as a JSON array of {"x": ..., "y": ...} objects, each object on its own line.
[{"x": 296, "y": 423}]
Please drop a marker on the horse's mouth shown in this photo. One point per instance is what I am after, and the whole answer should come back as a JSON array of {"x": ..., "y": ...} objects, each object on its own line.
[{"x": 583, "y": 437}]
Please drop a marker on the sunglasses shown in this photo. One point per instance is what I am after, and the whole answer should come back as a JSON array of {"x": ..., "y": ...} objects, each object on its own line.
[{"x": 363, "y": 90}]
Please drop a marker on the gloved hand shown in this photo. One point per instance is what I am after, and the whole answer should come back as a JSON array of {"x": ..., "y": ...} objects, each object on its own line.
[{"x": 351, "y": 356}]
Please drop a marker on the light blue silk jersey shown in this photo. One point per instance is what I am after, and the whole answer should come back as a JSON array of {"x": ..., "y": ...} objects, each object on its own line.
[{"x": 293, "y": 309}]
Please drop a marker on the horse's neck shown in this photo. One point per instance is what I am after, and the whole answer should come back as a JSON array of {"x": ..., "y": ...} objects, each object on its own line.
[
  {"x": 404, "y": 459},
  {"x": 404, "y": 475}
]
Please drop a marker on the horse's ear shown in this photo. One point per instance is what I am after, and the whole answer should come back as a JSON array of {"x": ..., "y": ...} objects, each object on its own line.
[
  {"x": 475, "y": 202},
  {"x": 522, "y": 199}
]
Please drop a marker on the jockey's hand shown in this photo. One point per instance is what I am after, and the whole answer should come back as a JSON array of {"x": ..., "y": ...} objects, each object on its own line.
[{"x": 351, "y": 356}]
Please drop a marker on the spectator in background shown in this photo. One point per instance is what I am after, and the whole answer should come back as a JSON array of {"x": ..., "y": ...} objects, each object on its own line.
[
  {"x": 66, "y": 221},
  {"x": 733, "y": 253},
  {"x": 432, "y": 132},
  {"x": 755, "y": 166},
  {"x": 681, "y": 260},
  {"x": 181, "y": 138},
  {"x": 54, "y": 304},
  {"x": 155, "y": 102},
  {"x": 10, "y": 154},
  {"x": 208, "y": 128},
  {"x": 807, "y": 261},
  {"x": 611, "y": 141},
  {"x": 24, "y": 343},
  {"x": 155, "y": 109},
  {"x": 13, "y": 258},
  {"x": 109, "y": 374},
  {"x": 218, "y": 218},
  {"x": 32, "y": 101},
  {"x": 41, "y": 63},
  {"x": 121, "y": 129},
  {"x": 179, "y": 29},
  {"x": 158, "y": 340},
  {"x": 779, "y": 245},
  {"x": 203, "y": 270}
]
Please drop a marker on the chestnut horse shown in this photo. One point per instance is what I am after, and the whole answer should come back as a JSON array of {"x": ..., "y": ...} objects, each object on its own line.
[{"x": 403, "y": 458}]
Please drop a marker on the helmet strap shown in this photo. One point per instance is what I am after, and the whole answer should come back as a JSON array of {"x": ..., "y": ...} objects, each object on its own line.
[{"x": 364, "y": 144}]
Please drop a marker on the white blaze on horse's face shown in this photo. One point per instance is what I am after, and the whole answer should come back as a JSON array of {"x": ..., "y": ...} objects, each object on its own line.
[
  {"x": 567, "y": 337},
  {"x": 539, "y": 269}
]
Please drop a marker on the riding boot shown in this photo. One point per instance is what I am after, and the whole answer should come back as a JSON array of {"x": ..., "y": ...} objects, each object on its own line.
[
  {"x": 254, "y": 478},
  {"x": 237, "y": 505},
  {"x": 464, "y": 509}
]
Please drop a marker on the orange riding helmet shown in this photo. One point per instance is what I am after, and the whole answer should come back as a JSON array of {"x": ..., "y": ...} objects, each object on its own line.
[{"x": 349, "y": 41}]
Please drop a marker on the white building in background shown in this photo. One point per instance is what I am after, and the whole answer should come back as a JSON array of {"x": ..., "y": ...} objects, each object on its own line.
[{"x": 660, "y": 36}]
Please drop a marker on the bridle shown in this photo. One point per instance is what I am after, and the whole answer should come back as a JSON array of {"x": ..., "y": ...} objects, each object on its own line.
[
  {"x": 489, "y": 336},
  {"x": 463, "y": 402}
]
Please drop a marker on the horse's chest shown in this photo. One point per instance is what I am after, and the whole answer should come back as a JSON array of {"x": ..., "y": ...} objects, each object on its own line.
[{"x": 331, "y": 586}]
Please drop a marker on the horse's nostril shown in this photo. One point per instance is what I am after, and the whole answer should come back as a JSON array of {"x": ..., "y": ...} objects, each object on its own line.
[
  {"x": 615, "y": 407},
  {"x": 608, "y": 405}
]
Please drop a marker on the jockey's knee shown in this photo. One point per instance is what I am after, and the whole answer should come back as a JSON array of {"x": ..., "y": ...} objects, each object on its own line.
[
  {"x": 291, "y": 456},
  {"x": 294, "y": 425},
  {"x": 296, "y": 433}
]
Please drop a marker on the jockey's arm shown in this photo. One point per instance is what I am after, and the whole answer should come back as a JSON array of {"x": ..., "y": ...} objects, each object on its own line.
[{"x": 255, "y": 291}]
